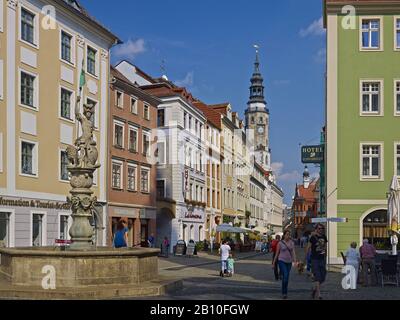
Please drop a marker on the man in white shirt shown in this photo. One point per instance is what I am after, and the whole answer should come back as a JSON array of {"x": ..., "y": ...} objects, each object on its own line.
[{"x": 224, "y": 250}]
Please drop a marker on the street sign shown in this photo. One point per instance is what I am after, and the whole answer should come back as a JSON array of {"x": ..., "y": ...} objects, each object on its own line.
[
  {"x": 324, "y": 220},
  {"x": 312, "y": 154}
]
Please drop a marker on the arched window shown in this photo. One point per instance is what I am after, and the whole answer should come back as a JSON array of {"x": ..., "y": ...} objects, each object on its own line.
[{"x": 375, "y": 229}]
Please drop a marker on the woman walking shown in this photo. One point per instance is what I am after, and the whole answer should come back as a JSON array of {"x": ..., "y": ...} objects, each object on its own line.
[
  {"x": 285, "y": 257},
  {"x": 121, "y": 236},
  {"x": 353, "y": 258}
]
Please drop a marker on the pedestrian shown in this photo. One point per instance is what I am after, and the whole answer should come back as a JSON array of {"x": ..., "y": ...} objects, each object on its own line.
[
  {"x": 367, "y": 254},
  {"x": 285, "y": 257},
  {"x": 353, "y": 258},
  {"x": 308, "y": 258},
  {"x": 166, "y": 246},
  {"x": 151, "y": 241},
  {"x": 121, "y": 236},
  {"x": 231, "y": 265},
  {"x": 318, "y": 259},
  {"x": 274, "y": 245},
  {"x": 224, "y": 251}
]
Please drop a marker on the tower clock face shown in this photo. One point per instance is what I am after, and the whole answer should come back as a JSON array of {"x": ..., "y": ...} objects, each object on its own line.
[{"x": 261, "y": 129}]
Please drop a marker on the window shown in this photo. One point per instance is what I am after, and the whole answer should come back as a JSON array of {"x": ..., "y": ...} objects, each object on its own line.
[
  {"x": 398, "y": 97},
  {"x": 161, "y": 189},
  {"x": 27, "y": 89},
  {"x": 146, "y": 144},
  {"x": 185, "y": 120},
  {"x": 131, "y": 178},
  {"x": 5, "y": 229},
  {"x": 190, "y": 123},
  {"x": 66, "y": 48},
  {"x": 27, "y": 26},
  {"x": 398, "y": 160},
  {"x": 161, "y": 118},
  {"x": 371, "y": 161},
  {"x": 120, "y": 100},
  {"x": 146, "y": 112},
  {"x": 370, "y": 33},
  {"x": 161, "y": 155},
  {"x": 64, "y": 175},
  {"x": 371, "y": 97},
  {"x": 118, "y": 135},
  {"x": 144, "y": 180},
  {"x": 133, "y": 140},
  {"x": 134, "y": 106},
  {"x": 37, "y": 230},
  {"x": 63, "y": 227},
  {"x": 116, "y": 175},
  {"x": 94, "y": 114},
  {"x": 27, "y": 158},
  {"x": 91, "y": 60},
  {"x": 66, "y": 97},
  {"x": 397, "y": 33}
]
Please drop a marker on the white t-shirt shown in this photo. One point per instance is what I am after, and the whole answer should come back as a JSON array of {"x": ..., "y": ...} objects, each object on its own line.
[
  {"x": 225, "y": 251},
  {"x": 352, "y": 256}
]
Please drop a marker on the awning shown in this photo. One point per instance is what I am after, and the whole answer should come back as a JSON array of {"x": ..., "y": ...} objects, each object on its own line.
[{"x": 230, "y": 229}]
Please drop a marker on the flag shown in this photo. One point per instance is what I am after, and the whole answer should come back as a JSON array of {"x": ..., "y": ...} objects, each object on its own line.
[{"x": 82, "y": 80}]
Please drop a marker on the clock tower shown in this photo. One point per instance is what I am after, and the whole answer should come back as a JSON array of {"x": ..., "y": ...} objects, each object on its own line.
[{"x": 257, "y": 117}]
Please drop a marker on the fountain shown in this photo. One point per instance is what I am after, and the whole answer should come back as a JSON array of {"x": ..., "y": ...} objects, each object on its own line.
[{"x": 83, "y": 270}]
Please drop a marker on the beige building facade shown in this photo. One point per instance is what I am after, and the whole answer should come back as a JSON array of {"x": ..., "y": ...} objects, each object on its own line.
[{"x": 40, "y": 66}]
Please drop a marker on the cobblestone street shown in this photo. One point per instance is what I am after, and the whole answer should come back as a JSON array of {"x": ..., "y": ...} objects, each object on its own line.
[{"x": 254, "y": 280}]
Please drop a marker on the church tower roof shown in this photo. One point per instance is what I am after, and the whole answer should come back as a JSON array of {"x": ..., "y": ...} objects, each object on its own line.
[{"x": 257, "y": 82}]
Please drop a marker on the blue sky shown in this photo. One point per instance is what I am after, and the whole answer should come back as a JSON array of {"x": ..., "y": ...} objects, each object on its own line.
[{"x": 208, "y": 47}]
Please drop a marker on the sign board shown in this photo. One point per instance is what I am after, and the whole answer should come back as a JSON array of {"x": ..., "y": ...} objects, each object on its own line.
[
  {"x": 312, "y": 154},
  {"x": 190, "y": 249},
  {"x": 324, "y": 220},
  {"x": 180, "y": 249}
]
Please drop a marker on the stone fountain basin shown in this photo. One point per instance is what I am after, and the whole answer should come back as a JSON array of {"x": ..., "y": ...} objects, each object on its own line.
[{"x": 27, "y": 267}]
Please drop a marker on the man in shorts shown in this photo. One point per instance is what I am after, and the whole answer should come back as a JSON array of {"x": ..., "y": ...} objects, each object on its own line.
[{"x": 318, "y": 259}]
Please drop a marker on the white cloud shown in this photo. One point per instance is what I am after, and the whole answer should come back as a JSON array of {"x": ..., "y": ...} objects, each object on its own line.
[
  {"x": 130, "y": 49},
  {"x": 314, "y": 29},
  {"x": 320, "y": 56},
  {"x": 277, "y": 168},
  {"x": 187, "y": 81}
]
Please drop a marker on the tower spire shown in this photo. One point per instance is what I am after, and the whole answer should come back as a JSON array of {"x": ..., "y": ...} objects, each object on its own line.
[{"x": 257, "y": 87}]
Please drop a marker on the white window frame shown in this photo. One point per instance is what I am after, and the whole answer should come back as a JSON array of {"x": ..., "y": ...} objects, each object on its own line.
[
  {"x": 133, "y": 128},
  {"x": 11, "y": 212},
  {"x": 35, "y": 90},
  {"x": 381, "y": 33},
  {"x": 120, "y": 124},
  {"x": 130, "y": 165},
  {"x": 148, "y": 180},
  {"x": 60, "y": 214},
  {"x": 396, "y": 143},
  {"x": 145, "y": 133},
  {"x": 117, "y": 162},
  {"x": 59, "y": 166},
  {"x": 73, "y": 48},
  {"x": 136, "y": 105},
  {"x": 164, "y": 161},
  {"x": 380, "y": 113},
  {"x": 396, "y": 45},
  {"x": 26, "y": 6},
  {"x": 35, "y": 160},
  {"x": 144, "y": 114},
  {"x": 122, "y": 99},
  {"x": 2, "y": 15},
  {"x": 395, "y": 82},
  {"x": 96, "y": 112},
  {"x": 44, "y": 227},
  {"x": 72, "y": 111},
  {"x": 97, "y": 62},
  {"x": 381, "y": 161}
]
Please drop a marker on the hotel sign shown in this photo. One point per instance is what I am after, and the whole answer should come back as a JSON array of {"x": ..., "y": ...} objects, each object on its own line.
[{"x": 312, "y": 154}]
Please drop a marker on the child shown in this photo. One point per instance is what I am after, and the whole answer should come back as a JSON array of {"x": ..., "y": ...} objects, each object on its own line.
[{"x": 231, "y": 264}]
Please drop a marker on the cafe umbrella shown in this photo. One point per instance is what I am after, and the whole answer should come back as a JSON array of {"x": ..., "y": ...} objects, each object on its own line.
[{"x": 393, "y": 213}]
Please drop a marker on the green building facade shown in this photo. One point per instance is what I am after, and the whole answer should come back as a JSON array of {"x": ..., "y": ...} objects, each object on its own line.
[{"x": 362, "y": 118}]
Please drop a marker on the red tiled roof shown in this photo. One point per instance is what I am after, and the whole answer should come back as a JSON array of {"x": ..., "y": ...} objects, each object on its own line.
[
  {"x": 212, "y": 116},
  {"x": 307, "y": 193},
  {"x": 221, "y": 108}
]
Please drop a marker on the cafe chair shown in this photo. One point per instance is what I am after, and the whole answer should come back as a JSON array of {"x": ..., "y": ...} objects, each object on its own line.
[{"x": 389, "y": 273}]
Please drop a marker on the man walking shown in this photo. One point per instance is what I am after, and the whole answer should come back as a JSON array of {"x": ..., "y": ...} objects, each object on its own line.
[
  {"x": 318, "y": 259},
  {"x": 224, "y": 251},
  {"x": 368, "y": 253}
]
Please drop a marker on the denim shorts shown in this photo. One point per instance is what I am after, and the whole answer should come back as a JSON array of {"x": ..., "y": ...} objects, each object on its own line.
[{"x": 319, "y": 269}]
